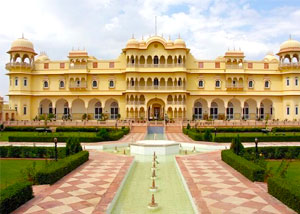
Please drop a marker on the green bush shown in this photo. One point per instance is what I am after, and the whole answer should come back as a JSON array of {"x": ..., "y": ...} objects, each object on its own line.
[
  {"x": 30, "y": 152},
  {"x": 286, "y": 129},
  {"x": 266, "y": 138},
  {"x": 287, "y": 192},
  {"x": 188, "y": 126},
  {"x": 50, "y": 139},
  {"x": 194, "y": 135},
  {"x": 73, "y": 146},
  {"x": 22, "y": 128},
  {"x": 224, "y": 130},
  {"x": 57, "y": 170},
  {"x": 236, "y": 146},
  {"x": 87, "y": 129},
  {"x": 249, "y": 169},
  {"x": 277, "y": 152},
  {"x": 14, "y": 196},
  {"x": 207, "y": 135}
]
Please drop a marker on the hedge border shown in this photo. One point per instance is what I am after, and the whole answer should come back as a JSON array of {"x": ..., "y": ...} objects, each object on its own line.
[
  {"x": 14, "y": 196},
  {"x": 31, "y": 152}
]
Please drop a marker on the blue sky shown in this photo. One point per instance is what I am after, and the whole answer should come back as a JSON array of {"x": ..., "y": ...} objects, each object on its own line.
[{"x": 209, "y": 27}]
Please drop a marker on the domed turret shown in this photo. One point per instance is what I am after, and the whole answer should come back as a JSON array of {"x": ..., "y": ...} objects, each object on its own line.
[
  {"x": 170, "y": 42},
  {"x": 289, "y": 53},
  {"x": 132, "y": 43},
  {"x": 290, "y": 45},
  {"x": 180, "y": 43},
  {"x": 23, "y": 45},
  {"x": 270, "y": 58},
  {"x": 42, "y": 57}
]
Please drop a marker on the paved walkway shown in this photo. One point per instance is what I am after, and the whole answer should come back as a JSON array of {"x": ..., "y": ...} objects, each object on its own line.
[
  {"x": 218, "y": 188},
  {"x": 88, "y": 189}
]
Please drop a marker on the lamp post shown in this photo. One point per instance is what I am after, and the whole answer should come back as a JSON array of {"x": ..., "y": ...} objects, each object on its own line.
[
  {"x": 215, "y": 132},
  {"x": 55, "y": 148},
  {"x": 256, "y": 147}
]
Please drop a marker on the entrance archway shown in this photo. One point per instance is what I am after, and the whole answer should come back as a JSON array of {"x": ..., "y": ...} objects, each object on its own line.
[{"x": 156, "y": 109}]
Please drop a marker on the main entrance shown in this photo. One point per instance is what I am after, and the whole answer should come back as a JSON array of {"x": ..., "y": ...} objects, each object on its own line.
[{"x": 156, "y": 109}]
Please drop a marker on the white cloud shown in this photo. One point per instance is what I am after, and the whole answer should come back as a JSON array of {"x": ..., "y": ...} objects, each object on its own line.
[{"x": 103, "y": 26}]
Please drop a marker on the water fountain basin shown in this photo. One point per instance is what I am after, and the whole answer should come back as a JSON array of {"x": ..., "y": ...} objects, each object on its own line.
[{"x": 160, "y": 147}]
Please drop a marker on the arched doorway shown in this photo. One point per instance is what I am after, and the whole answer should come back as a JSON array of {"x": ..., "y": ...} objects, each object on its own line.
[{"x": 156, "y": 109}]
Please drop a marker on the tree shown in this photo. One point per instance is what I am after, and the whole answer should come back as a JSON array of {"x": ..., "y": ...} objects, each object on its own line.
[
  {"x": 73, "y": 146},
  {"x": 237, "y": 145}
]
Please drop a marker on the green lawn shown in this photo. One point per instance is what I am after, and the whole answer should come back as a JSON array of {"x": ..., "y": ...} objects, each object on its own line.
[
  {"x": 4, "y": 135},
  {"x": 11, "y": 170},
  {"x": 293, "y": 172},
  {"x": 256, "y": 134}
]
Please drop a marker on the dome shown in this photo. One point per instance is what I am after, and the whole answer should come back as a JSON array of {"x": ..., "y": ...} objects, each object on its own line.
[
  {"x": 22, "y": 44},
  {"x": 170, "y": 42},
  {"x": 290, "y": 45},
  {"x": 179, "y": 42},
  {"x": 42, "y": 57},
  {"x": 270, "y": 58},
  {"x": 132, "y": 43}
]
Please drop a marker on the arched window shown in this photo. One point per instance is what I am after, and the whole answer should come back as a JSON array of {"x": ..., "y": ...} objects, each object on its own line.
[
  {"x": 201, "y": 84},
  {"x": 50, "y": 108},
  {"x": 61, "y": 84},
  {"x": 46, "y": 84},
  {"x": 179, "y": 82},
  {"x": 77, "y": 83},
  {"x": 214, "y": 111},
  {"x": 198, "y": 110},
  {"x": 155, "y": 60},
  {"x": 246, "y": 111},
  {"x": 95, "y": 84},
  {"x": 296, "y": 81},
  {"x": 287, "y": 81},
  {"x": 267, "y": 84},
  {"x": 218, "y": 84},
  {"x": 250, "y": 84},
  {"x": 98, "y": 111},
  {"x": 114, "y": 110},
  {"x": 230, "y": 111},
  {"x": 25, "y": 81},
  {"x": 16, "y": 81},
  {"x": 111, "y": 84},
  {"x": 132, "y": 82},
  {"x": 156, "y": 82},
  {"x": 66, "y": 109}
]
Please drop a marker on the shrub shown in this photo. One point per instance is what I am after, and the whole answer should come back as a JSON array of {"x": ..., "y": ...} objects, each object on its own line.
[
  {"x": 286, "y": 129},
  {"x": 237, "y": 146},
  {"x": 57, "y": 170},
  {"x": 266, "y": 138},
  {"x": 103, "y": 133},
  {"x": 278, "y": 152},
  {"x": 30, "y": 152},
  {"x": 14, "y": 196},
  {"x": 22, "y": 128},
  {"x": 207, "y": 135},
  {"x": 73, "y": 146},
  {"x": 287, "y": 192},
  {"x": 188, "y": 126},
  {"x": 249, "y": 169}
]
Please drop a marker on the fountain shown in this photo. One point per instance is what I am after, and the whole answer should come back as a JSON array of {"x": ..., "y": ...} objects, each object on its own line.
[
  {"x": 153, "y": 205},
  {"x": 153, "y": 188},
  {"x": 160, "y": 147}
]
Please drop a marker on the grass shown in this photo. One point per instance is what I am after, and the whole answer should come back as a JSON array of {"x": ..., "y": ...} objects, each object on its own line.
[
  {"x": 11, "y": 170},
  {"x": 4, "y": 135},
  {"x": 293, "y": 172}
]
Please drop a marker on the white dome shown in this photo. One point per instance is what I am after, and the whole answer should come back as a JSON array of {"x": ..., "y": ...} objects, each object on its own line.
[
  {"x": 290, "y": 45},
  {"x": 22, "y": 44},
  {"x": 270, "y": 58},
  {"x": 179, "y": 42},
  {"x": 42, "y": 57}
]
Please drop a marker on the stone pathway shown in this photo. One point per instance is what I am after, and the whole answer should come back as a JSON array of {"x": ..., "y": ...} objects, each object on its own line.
[
  {"x": 218, "y": 188},
  {"x": 88, "y": 189}
]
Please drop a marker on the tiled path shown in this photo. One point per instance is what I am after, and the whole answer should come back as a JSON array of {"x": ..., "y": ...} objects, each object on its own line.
[
  {"x": 217, "y": 188},
  {"x": 88, "y": 189}
]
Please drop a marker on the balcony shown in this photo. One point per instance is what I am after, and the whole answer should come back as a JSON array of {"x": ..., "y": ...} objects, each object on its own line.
[
  {"x": 176, "y": 102},
  {"x": 158, "y": 88},
  {"x": 234, "y": 66},
  {"x": 78, "y": 66},
  {"x": 78, "y": 86},
  {"x": 234, "y": 86},
  {"x": 130, "y": 65},
  {"x": 293, "y": 65},
  {"x": 24, "y": 65}
]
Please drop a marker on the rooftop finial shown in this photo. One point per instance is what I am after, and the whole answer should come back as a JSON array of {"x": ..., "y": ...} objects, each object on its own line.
[
  {"x": 22, "y": 35},
  {"x": 142, "y": 37},
  {"x": 169, "y": 37},
  {"x": 162, "y": 35},
  {"x": 290, "y": 36},
  {"x": 155, "y": 25},
  {"x": 133, "y": 36},
  {"x": 178, "y": 35}
]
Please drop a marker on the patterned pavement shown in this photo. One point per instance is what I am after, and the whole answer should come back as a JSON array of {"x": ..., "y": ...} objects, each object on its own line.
[
  {"x": 88, "y": 189},
  {"x": 217, "y": 188}
]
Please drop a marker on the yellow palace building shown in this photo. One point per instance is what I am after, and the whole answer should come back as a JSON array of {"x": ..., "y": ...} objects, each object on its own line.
[{"x": 154, "y": 79}]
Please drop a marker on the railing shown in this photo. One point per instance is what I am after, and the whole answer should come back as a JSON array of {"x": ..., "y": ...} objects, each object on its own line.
[
  {"x": 130, "y": 65},
  {"x": 78, "y": 67},
  {"x": 234, "y": 66},
  {"x": 136, "y": 103},
  {"x": 175, "y": 102},
  {"x": 18, "y": 65},
  {"x": 77, "y": 86},
  {"x": 153, "y": 87},
  {"x": 234, "y": 86},
  {"x": 290, "y": 65}
]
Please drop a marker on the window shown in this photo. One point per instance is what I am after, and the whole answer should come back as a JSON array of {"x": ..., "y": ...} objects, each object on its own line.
[
  {"x": 155, "y": 60},
  {"x": 24, "y": 110},
  {"x": 132, "y": 82},
  {"x": 111, "y": 84},
  {"x": 77, "y": 83},
  {"x": 250, "y": 84},
  {"x": 25, "y": 81},
  {"x": 46, "y": 65},
  {"x": 266, "y": 65},
  {"x": 287, "y": 81},
  {"x": 217, "y": 64},
  {"x": 61, "y": 84},
  {"x": 296, "y": 81},
  {"x": 62, "y": 65},
  {"x": 201, "y": 84},
  {"x": 95, "y": 84},
  {"x": 95, "y": 64},
  {"x": 250, "y": 65},
  {"x": 179, "y": 82},
  {"x": 267, "y": 84},
  {"x": 218, "y": 84},
  {"x": 200, "y": 65},
  {"x": 16, "y": 108},
  {"x": 155, "y": 82},
  {"x": 296, "y": 110},
  {"x": 16, "y": 81},
  {"x": 288, "y": 110},
  {"x": 111, "y": 65},
  {"x": 46, "y": 84}
]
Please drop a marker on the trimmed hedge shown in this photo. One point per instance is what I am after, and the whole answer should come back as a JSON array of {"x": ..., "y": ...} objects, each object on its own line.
[
  {"x": 249, "y": 169},
  {"x": 277, "y": 152},
  {"x": 194, "y": 135},
  {"x": 286, "y": 129},
  {"x": 287, "y": 192},
  {"x": 59, "y": 169},
  {"x": 14, "y": 196},
  {"x": 224, "y": 130},
  {"x": 30, "y": 152},
  {"x": 22, "y": 128},
  {"x": 84, "y": 129},
  {"x": 261, "y": 139}
]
